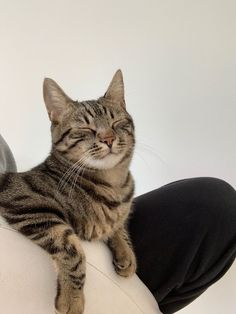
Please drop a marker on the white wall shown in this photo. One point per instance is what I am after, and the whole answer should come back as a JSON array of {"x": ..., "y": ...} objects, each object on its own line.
[{"x": 178, "y": 59}]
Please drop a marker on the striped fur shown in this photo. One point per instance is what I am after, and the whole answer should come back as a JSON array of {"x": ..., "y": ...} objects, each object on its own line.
[{"x": 83, "y": 190}]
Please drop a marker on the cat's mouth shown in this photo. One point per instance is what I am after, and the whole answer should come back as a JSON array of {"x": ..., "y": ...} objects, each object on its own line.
[
  {"x": 110, "y": 152},
  {"x": 106, "y": 159}
]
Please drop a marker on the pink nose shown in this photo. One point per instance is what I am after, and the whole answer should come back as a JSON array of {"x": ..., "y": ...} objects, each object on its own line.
[{"x": 108, "y": 140}]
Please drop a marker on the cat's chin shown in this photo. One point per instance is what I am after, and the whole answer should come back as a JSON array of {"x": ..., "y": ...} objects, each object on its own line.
[{"x": 107, "y": 162}]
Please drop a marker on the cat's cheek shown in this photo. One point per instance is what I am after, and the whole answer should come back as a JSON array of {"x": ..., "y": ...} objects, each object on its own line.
[{"x": 76, "y": 154}]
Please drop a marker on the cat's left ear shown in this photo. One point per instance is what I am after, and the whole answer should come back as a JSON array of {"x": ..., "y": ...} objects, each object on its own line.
[{"x": 116, "y": 91}]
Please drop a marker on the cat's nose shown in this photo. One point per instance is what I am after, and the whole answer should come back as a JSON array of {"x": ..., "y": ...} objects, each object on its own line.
[{"x": 108, "y": 140}]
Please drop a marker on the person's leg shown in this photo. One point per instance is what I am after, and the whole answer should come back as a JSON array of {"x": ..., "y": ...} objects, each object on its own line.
[{"x": 184, "y": 236}]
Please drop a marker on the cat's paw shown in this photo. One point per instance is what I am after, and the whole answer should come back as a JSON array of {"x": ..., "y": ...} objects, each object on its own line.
[
  {"x": 70, "y": 304},
  {"x": 125, "y": 263}
]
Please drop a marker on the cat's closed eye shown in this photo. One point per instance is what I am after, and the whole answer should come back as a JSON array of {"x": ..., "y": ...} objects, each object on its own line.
[
  {"x": 88, "y": 130},
  {"x": 82, "y": 132},
  {"x": 121, "y": 123}
]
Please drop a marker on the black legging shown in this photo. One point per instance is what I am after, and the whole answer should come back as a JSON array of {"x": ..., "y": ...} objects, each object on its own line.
[{"x": 184, "y": 236}]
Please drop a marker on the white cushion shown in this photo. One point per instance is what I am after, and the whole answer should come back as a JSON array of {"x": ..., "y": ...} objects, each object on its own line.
[{"x": 28, "y": 280}]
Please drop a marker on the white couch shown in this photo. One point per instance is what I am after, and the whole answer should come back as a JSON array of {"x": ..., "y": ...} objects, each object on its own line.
[{"x": 28, "y": 280}]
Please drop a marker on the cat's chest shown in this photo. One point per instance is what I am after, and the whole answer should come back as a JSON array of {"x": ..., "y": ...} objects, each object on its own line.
[
  {"x": 103, "y": 222},
  {"x": 101, "y": 210},
  {"x": 101, "y": 225},
  {"x": 98, "y": 216}
]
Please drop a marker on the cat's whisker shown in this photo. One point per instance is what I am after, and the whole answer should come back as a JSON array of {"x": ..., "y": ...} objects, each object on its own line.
[
  {"x": 63, "y": 182},
  {"x": 143, "y": 159},
  {"x": 66, "y": 173},
  {"x": 141, "y": 145},
  {"x": 80, "y": 169},
  {"x": 73, "y": 173},
  {"x": 73, "y": 185},
  {"x": 80, "y": 174},
  {"x": 66, "y": 177},
  {"x": 148, "y": 146}
]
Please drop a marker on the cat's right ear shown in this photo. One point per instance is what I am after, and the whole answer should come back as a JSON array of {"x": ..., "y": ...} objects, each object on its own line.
[{"x": 55, "y": 99}]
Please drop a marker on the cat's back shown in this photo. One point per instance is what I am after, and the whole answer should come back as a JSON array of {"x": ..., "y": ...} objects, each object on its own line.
[
  {"x": 10, "y": 182},
  {"x": 20, "y": 186}
]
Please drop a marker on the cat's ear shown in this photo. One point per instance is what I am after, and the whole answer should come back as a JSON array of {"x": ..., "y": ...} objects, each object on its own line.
[
  {"x": 115, "y": 91},
  {"x": 55, "y": 99}
]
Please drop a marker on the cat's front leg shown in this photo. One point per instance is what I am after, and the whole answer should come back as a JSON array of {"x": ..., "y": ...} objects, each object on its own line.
[
  {"x": 60, "y": 241},
  {"x": 69, "y": 258},
  {"x": 124, "y": 259}
]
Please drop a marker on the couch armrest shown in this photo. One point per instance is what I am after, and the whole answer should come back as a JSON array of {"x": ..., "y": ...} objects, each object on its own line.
[{"x": 28, "y": 280}]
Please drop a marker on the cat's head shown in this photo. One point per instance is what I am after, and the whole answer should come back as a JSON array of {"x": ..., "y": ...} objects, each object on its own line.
[{"x": 97, "y": 133}]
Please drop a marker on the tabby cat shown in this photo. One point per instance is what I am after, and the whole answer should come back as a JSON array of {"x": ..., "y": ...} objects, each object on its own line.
[{"x": 82, "y": 191}]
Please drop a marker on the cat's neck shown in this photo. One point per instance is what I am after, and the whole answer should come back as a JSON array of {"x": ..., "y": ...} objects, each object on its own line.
[{"x": 115, "y": 176}]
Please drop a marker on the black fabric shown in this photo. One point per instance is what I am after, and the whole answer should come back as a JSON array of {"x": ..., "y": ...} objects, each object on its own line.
[{"x": 184, "y": 236}]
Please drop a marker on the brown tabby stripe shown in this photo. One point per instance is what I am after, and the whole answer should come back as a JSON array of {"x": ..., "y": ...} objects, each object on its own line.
[
  {"x": 39, "y": 235},
  {"x": 13, "y": 220},
  {"x": 75, "y": 143},
  {"x": 126, "y": 156},
  {"x": 130, "y": 121},
  {"x": 37, "y": 210},
  {"x": 35, "y": 184},
  {"x": 20, "y": 198},
  {"x": 105, "y": 109},
  {"x": 75, "y": 267},
  {"x": 126, "y": 130},
  {"x": 38, "y": 226},
  {"x": 66, "y": 234},
  {"x": 126, "y": 180},
  {"x": 128, "y": 197},
  {"x": 98, "y": 181},
  {"x": 97, "y": 109},
  {"x": 92, "y": 104},
  {"x": 88, "y": 110},
  {"x": 53, "y": 173},
  {"x": 96, "y": 149},
  {"x": 102, "y": 199},
  {"x": 58, "y": 293},
  {"x": 63, "y": 136},
  {"x": 50, "y": 247},
  {"x": 71, "y": 250},
  {"x": 72, "y": 220},
  {"x": 5, "y": 181},
  {"x": 127, "y": 239},
  {"x": 111, "y": 113},
  {"x": 86, "y": 119},
  {"x": 78, "y": 281}
]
